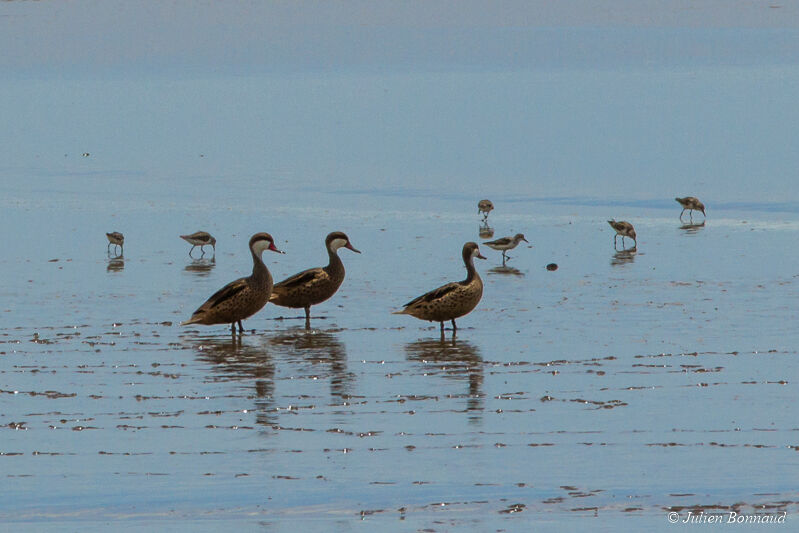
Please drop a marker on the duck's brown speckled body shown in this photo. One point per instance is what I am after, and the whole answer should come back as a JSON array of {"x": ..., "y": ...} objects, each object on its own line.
[
  {"x": 315, "y": 285},
  {"x": 452, "y": 300},
  {"x": 625, "y": 229},
  {"x": 242, "y": 298},
  {"x": 691, "y": 204}
]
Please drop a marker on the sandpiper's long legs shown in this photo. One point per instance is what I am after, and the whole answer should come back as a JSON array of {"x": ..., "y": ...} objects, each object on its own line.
[
  {"x": 241, "y": 328},
  {"x": 682, "y": 213},
  {"x": 307, "y": 317},
  {"x": 193, "y": 246},
  {"x": 442, "y": 328},
  {"x": 454, "y": 327}
]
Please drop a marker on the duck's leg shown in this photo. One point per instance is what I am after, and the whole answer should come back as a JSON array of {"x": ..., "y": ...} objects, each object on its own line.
[{"x": 307, "y": 317}]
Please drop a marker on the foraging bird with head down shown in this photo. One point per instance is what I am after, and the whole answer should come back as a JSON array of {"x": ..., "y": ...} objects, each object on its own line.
[
  {"x": 485, "y": 207},
  {"x": 691, "y": 204},
  {"x": 243, "y": 297},
  {"x": 315, "y": 285},
  {"x": 625, "y": 229},
  {"x": 200, "y": 238},
  {"x": 452, "y": 300},
  {"x": 117, "y": 239}
]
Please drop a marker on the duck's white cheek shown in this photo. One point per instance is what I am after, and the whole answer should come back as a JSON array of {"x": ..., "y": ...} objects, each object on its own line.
[
  {"x": 260, "y": 246},
  {"x": 335, "y": 244}
]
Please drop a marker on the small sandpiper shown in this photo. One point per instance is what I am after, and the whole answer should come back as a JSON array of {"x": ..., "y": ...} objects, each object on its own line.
[
  {"x": 625, "y": 229},
  {"x": 200, "y": 238},
  {"x": 485, "y": 207},
  {"x": 691, "y": 203},
  {"x": 506, "y": 243},
  {"x": 117, "y": 239}
]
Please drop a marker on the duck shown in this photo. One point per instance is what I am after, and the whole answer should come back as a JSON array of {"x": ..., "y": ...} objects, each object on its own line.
[
  {"x": 485, "y": 207},
  {"x": 625, "y": 229},
  {"x": 200, "y": 238},
  {"x": 315, "y": 285},
  {"x": 242, "y": 298},
  {"x": 452, "y": 300},
  {"x": 506, "y": 243},
  {"x": 117, "y": 239},
  {"x": 691, "y": 204}
]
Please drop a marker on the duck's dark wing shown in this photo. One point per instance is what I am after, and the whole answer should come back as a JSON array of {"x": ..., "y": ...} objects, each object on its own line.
[
  {"x": 228, "y": 291},
  {"x": 434, "y": 294},
  {"x": 301, "y": 278}
]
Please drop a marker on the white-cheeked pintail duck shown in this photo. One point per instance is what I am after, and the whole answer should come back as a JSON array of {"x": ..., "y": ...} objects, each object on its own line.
[
  {"x": 506, "y": 243},
  {"x": 691, "y": 204},
  {"x": 200, "y": 238},
  {"x": 315, "y": 285},
  {"x": 117, "y": 239},
  {"x": 452, "y": 300},
  {"x": 625, "y": 229},
  {"x": 242, "y": 298}
]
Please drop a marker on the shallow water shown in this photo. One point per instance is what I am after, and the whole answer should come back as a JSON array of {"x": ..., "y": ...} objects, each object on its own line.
[
  {"x": 604, "y": 394},
  {"x": 621, "y": 385}
]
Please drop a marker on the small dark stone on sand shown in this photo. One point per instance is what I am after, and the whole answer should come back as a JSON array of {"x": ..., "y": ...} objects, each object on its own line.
[{"x": 552, "y": 267}]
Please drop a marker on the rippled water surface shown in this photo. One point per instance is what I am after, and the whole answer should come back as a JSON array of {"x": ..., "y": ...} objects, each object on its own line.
[{"x": 600, "y": 395}]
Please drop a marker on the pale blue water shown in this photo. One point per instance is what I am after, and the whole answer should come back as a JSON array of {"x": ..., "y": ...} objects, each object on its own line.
[{"x": 599, "y": 396}]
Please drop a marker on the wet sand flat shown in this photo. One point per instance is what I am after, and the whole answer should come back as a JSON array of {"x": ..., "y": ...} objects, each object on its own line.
[{"x": 619, "y": 386}]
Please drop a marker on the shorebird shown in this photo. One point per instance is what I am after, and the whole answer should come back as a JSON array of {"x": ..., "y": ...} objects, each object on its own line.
[
  {"x": 200, "y": 238},
  {"x": 485, "y": 207},
  {"x": 691, "y": 203},
  {"x": 243, "y": 297},
  {"x": 625, "y": 229},
  {"x": 315, "y": 285},
  {"x": 506, "y": 243},
  {"x": 452, "y": 300},
  {"x": 117, "y": 239}
]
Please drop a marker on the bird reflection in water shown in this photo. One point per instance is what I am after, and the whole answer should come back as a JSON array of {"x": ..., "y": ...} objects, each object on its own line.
[
  {"x": 691, "y": 229},
  {"x": 115, "y": 264},
  {"x": 506, "y": 271},
  {"x": 623, "y": 257},
  {"x": 201, "y": 267},
  {"x": 485, "y": 231},
  {"x": 454, "y": 359},
  {"x": 321, "y": 350},
  {"x": 233, "y": 359}
]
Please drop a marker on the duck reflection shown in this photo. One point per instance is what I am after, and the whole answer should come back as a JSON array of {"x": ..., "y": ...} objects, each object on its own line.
[
  {"x": 455, "y": 359},
  {"x": 622, "y": 257},
  {"x": 315, "y": 349},
  {"x": 115, "y": 264},
  {"x": 201, "y": 267},
  {"x": 236, "y": 360},
  {"x": 506, "y": 271},
  {"x": 691, "y": 229},
  {"x": 485, "y": 231}
]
